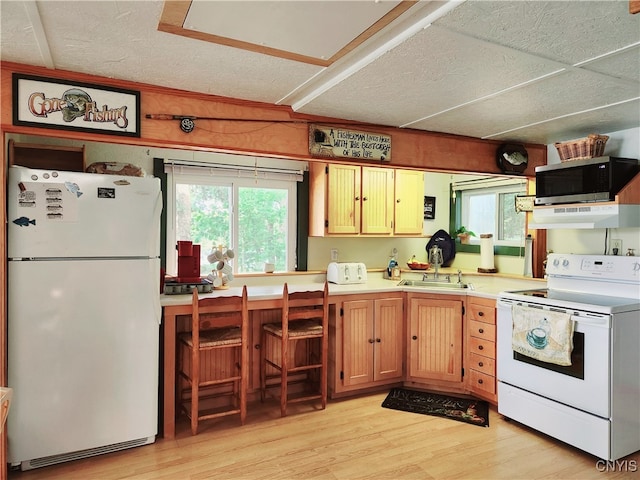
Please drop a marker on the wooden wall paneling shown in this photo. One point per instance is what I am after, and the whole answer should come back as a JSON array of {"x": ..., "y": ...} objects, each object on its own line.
[{"x": 411, "y": 148}]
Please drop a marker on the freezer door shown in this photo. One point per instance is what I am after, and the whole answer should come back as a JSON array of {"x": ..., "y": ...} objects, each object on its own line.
[
  {"x": 83, "y": 342},
  {"x": 68, "y": 214}
]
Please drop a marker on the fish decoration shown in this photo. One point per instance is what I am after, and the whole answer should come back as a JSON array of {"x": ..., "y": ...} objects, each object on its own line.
[
  {"x": 73, "y": 188},
  {"x": 515, "y": 158},
  {"x": 24, "y": 221}
]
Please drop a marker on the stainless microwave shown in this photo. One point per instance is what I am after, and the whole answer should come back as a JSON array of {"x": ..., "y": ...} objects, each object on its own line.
[{"x": 589, "y": 180}]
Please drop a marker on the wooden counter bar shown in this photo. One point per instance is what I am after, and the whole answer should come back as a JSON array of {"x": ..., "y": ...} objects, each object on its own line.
[{"x": 263, "y": 300}]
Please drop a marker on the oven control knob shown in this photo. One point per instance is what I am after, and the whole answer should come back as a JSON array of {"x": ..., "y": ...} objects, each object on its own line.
[
  {"x": 565, "y": 263},
  {"x": 556, "y": 262}
]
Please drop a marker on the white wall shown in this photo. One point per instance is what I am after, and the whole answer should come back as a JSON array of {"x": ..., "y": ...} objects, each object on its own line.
[{"x": 624, "y": 143}]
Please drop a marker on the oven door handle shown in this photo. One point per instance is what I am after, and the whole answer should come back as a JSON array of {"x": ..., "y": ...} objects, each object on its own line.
[{"x": 595, "y": 319}]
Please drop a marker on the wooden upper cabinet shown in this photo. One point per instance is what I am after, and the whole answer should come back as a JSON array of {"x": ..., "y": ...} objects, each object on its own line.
[
  {"x": 47, "y": 157},
  {"x": 354, "y": 200},
  {"x": 343, "y": 199},
  {"x": 377, "y": 201},
  {"x": 409, "y": 202}
]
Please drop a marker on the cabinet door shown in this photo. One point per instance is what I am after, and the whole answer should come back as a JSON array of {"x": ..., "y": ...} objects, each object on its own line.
[
  {"x": 343, "y": 199},
  {"x": 435, "y": 339},
  {"x": 388, "y": 353},
  {"x": 409, "y": 202},
  {"x": 358, "y": 341},
  {"x": 377, "y": 200}
]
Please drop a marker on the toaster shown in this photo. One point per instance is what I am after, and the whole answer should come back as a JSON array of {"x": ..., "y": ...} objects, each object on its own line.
[{"x": 346, "y": 273}]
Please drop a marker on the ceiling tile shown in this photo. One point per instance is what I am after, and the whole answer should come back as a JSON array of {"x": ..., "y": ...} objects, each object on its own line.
[
  {"x": 559, "y": 30},
  {"x": 318, "y": 29},
  {"x": 570, "y": 92},
  {"x": 431, "y": 72}
]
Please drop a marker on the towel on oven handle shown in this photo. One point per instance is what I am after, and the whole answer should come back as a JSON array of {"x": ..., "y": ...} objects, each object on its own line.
[{"x": 542, "y": 334}]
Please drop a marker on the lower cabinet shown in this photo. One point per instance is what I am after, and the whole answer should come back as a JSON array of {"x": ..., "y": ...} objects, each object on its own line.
[
  {"x": 424, "y": 340},
  {"x": 481, "y": 348},
  {"x": 435, "y": 340},
  {"x": 367, "y": 340}
]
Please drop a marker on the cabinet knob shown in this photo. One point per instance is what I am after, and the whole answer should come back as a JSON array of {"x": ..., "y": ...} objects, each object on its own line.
[
  {"x": 480, "y": 381},
  {"x": 370, "y": 340},
  {"x": 480, "y": 347},
  {"x": 377, "y": 340},
  {"x": 481, "y": 330},
  {"x": 481, "y": 364},
  {"x": 357, "y": 199},
  {"x": 481, "y": 314},
  {"x": 414, "y": 337},
  {"x": 364, "y": 199},
  {"x": 398, "y": 200},
  {"x": 257, "y": 346}
]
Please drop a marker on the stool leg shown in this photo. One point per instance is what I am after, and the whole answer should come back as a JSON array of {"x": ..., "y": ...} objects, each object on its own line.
[
  {"x": 284, "y": 364},
  {"x": 195, "y": 381},
  {"x": 263, "y": 365}
]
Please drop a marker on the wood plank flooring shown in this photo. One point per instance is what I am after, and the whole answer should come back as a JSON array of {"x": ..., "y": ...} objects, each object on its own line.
[{"x": 352, "y": 439}]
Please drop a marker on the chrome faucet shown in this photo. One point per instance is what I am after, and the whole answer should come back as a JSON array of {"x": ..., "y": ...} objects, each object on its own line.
[
  {"x": 435, "y": 258},
  {"x": 459, "y": 277}
]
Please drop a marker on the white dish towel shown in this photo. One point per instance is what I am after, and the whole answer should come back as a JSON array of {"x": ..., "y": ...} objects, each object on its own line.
[{"x": 542, "y": 334}]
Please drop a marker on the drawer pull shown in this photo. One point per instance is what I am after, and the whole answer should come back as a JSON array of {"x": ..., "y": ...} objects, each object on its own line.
[
  {"x": 480, "y": 381},
  {"x": 481, "y": 330},
  {"x": 481, "y": 364},
  {"x": 480, "y": 347},
  {"x": 481, "y": 314}
]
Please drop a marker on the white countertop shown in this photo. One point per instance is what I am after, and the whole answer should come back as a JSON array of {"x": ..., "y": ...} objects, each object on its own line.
[{"x": 480, "y": 285}]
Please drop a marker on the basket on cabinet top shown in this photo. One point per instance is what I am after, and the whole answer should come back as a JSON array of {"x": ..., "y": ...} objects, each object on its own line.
[{"x": 590, "y": 147}]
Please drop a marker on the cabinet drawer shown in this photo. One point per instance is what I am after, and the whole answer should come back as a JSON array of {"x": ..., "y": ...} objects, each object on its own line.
[
  {"x": 482, "y": 330},
  {"x": 482, "y": 381},
  {"x": 482, "y": 313},
  {"x": 482, "y": 347},
  {"x": 482, "y": 364}
]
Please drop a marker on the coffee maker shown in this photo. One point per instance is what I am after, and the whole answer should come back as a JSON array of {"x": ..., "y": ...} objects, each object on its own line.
[{"x": 188, "y": 262}]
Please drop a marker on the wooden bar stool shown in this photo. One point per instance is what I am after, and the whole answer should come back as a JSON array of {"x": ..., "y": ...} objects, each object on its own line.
[
  {"x": 305, "y": 318},
  {"x": 214, "y": 356}
]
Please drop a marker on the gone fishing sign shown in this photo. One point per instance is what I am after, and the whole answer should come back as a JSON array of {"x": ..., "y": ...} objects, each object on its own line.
[{"x": 51, "y": 103}]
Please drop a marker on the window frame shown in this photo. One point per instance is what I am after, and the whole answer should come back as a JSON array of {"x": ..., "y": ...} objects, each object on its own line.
[
  {"x": 235, "y": 183},
  {"x": 456, "y": 216}
]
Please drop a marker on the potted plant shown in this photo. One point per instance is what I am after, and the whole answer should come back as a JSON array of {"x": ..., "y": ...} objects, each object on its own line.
[{"x": 463, "y": 234}]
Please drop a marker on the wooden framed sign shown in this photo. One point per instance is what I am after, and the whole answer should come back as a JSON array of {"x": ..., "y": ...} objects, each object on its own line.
[
  {"x": 50, "y": 103},
  {"x": 338, "y": 142}
]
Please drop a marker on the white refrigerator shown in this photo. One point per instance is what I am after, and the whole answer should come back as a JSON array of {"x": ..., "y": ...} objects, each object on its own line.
[{"x": 83, "y": 314}]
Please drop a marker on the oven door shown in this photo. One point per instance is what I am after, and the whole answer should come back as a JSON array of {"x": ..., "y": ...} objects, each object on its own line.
[{"x": 584, "y": 384}]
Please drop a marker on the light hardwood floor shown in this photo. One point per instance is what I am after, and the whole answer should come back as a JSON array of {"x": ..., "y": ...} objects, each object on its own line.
[{"x": 352, "y": 439}]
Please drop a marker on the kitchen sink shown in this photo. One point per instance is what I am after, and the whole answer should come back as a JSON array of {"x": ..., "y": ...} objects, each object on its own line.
[{"x": 434, "y": 284}]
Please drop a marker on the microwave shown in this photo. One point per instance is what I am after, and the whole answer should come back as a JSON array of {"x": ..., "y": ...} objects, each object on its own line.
[{"x": 588, "y": 180}]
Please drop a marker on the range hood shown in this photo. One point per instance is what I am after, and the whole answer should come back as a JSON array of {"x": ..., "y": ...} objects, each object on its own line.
[{"x": 585, "y": 215}]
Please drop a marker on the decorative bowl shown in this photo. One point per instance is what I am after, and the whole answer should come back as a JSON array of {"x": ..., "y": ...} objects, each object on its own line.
[{"x": 419, "y": 266}]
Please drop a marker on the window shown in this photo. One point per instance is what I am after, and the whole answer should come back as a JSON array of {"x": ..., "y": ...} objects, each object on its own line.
[
  {"x": 489, "y": 207},
  {"x": 250, "y": 211}
]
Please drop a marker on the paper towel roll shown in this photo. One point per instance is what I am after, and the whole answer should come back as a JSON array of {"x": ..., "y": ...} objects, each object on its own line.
[
  {"x": 486, "y": 254},
  {"x": 528, "y": 257}
]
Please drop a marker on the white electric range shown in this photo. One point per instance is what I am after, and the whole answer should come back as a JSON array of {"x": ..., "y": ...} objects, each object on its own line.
[{"x": 593, "y": 403}]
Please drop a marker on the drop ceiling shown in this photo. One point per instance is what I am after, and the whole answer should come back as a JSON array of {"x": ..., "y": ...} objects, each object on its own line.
[{"x": 519, "y": 71}]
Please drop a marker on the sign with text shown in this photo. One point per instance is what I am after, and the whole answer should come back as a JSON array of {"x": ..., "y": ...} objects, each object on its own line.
[
  {"x": 51, "y": 103},
  {"x": 334, "y": 142}
]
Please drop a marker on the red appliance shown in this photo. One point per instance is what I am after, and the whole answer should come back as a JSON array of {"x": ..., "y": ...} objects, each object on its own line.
[{"x": 188, "y": 262}]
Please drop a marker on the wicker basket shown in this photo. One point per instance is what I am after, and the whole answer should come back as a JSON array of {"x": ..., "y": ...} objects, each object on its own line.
[{"x": 590, "y": 147}]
